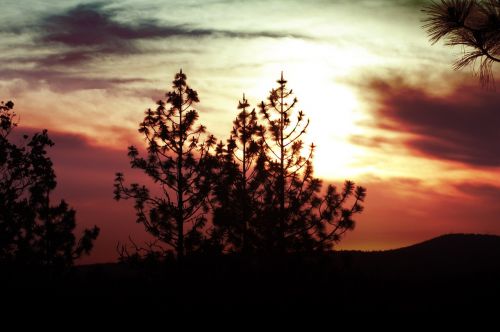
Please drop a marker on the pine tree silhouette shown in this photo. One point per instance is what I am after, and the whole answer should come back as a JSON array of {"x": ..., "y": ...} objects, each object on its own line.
[
  {"x": 295, "y": 217},
  {"x": 179, "y": 160},
  {"x": 239, "y": 184},
  {"x": 32, "y": 231}
]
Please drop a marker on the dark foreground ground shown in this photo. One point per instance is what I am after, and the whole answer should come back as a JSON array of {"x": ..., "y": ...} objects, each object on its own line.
[{"x": 453, "y": 273}]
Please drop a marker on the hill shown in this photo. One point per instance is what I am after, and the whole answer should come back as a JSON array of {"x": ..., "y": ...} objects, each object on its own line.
[{"x": 451, "y": 255}]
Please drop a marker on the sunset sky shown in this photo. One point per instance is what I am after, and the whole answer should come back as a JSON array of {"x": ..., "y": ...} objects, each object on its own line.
[{"x": 386, "y": 108}]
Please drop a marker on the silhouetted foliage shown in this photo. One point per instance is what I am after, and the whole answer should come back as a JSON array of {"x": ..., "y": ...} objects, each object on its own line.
[
  {"x": 238, "y": 188},
  {"x": 260, "y": 186},
  {"x": 151, "y": 254},
  {"x": 32, "y": 232},
  {"x": 295, "y": 217},
  {"x": 454, "y": 273},
  {"x": 472, "y": 24},
  {"x": 179, "y": 161}
]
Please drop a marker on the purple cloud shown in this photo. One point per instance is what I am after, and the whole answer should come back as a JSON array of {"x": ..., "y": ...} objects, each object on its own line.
[{"x": 461, "y": 126}]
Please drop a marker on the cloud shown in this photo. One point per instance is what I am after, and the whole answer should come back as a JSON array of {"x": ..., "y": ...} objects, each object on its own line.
[
  {"x": 61, "y": 81},
  {"x": 459, "y": 126},
  {"x": 68, "y": 45},
  {"x": 372, "y": 142},
  {"x": 64, "y": 59},
  {"x": 95, "y": 26},
  {"x": 482, "y": 191}
]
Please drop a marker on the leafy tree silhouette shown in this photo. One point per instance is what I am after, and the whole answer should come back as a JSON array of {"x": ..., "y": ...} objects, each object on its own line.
[
  {"x": 239, "y": 184},
  {"x": 295, "y": 217},
  {"x": 12, "y": 184},
  {"x": 473, "y": 24},
  {"x": 32, "y": 232},
  {"x": 179, "y": 160}
]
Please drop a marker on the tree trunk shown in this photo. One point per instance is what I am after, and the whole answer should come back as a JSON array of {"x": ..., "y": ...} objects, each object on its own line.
[
  {"x": 180, "y": 207},
  {"x": 281, "y": 238}
]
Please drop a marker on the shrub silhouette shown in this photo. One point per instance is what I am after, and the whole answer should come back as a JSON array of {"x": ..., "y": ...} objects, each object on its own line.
[
  {"x": 32, "y": 231},
  {"x": 179, "y": 161},
  {"x": 472, "y": 24}
]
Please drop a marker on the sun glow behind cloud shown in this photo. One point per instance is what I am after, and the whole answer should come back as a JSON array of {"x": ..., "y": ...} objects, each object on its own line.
[
  {"x": 334, "y": 113},
  {"x": 317, "y": 71}
]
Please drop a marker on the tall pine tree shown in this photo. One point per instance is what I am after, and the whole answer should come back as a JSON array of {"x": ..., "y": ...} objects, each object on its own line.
[
  {"x": 179, "y": 160},
  {"x": 296, "y": 217}
]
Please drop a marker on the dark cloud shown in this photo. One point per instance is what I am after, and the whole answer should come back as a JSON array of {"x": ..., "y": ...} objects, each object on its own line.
[
  {"x": 64, "y": 59},
  {"x": 78, "y": 153},
  {"x": 372, "y": 142},
  {"x": 95, "y": 26},
  {"x": 461, "y": 126},
  {"x": 482, "y": 191}
]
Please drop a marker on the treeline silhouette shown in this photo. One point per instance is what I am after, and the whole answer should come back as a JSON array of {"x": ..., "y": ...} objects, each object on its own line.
[
  {"x": 258, "y": 190},
  {"x": 246, "y": 218},
  {"x": 456, "y": 274},
  {"x": 254, "y": 194}
]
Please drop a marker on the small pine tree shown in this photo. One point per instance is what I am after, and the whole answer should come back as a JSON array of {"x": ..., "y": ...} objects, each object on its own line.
[
  {"x": 240, "y": 179},
  {"x": 295, "y": 217},
  {"x": 180, "y": 162}
]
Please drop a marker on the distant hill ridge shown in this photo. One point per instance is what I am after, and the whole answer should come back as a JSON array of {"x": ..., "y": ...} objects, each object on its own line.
[
  {"x": 457, "y": 242},
  {"x": 450, "y": 254}
]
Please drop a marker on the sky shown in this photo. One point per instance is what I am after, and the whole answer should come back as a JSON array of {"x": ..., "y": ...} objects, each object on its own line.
[{"x": 387, "y": 109}]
